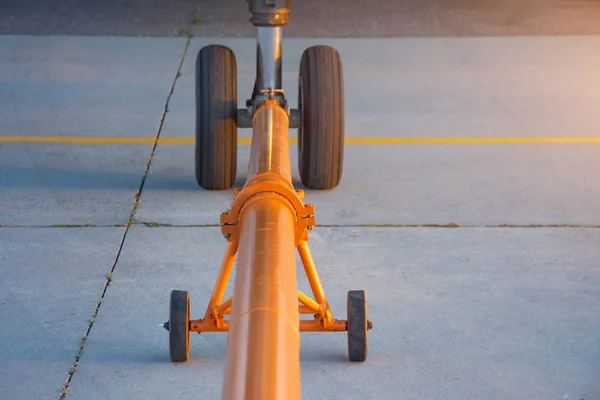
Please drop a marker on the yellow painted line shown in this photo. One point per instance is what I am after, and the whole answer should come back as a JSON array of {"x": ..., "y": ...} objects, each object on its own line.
[
  {"x": 474, "y": 140},
  {"x": 101, "y": 140},
  {"x": 74, "y": 139},
  {"x": 349, "y": 140}
]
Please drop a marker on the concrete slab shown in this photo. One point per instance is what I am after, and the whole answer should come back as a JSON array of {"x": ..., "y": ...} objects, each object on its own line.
[
  {"x": 44, "y": 184},
  {"x": 459, "y": 313},
  {"x": 76, "y": 86},
  {"x": 409, "y": 184},
  {"x": 447, "y": 87},
  {"x": 80, "y": 86},
  {"x": 51, "y": 281},
  {"x": 55, "y": 183}
]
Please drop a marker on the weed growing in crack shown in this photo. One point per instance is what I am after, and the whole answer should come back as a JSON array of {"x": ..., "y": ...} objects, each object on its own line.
[{"x": 197, "y": 19}]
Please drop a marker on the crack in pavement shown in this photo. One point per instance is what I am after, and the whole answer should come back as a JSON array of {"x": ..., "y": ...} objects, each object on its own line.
[{"x": 130, "y": 222}]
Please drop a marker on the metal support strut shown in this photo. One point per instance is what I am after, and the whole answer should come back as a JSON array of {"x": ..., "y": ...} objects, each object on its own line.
[
  {"x": 269, "y": 12},
  {"x": 268, "y": 40},
  {"x": 269, "y": 17}
]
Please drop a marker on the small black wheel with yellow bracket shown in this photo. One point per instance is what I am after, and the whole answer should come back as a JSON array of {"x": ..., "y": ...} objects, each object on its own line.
[
  {"x": 358, "y": 326},
  {"x": 179, "y": 326}
]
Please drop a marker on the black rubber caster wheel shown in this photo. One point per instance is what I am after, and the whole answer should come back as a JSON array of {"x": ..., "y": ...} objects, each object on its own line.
[
  {"x": 179, "y": 326},
  {"x": 216, "y": 117},
  {"x": 358, "y": 325},
  {"x": 321, "y": 121}
]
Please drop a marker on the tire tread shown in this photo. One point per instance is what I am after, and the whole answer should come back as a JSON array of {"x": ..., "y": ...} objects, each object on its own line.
[
  {"x": 216, "y": 117},
  {"x": 321, "y": 132}
]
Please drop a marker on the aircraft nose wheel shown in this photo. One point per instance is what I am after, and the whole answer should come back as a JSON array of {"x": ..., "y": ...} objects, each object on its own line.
[
  {"x": 216, "y": 117},
  {"x": 321, "y": 118}
]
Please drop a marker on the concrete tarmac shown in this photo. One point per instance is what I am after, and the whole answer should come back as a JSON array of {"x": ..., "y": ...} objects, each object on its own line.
[
  {"x": 499, "y": 299},
  {"x": 310, "y": 18}
]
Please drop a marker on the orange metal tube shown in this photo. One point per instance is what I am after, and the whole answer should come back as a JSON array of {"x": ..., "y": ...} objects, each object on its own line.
[
  {"x": 222, "y": 278},
  {"x": 224, "y": 307},
  {"x": 263, "y": 349},
  {"x": 308, "y": 302},
  {"x": 270, "y": 149},
  {"x": 311, "y": 273},
  {"x": 306, "y": 325}
]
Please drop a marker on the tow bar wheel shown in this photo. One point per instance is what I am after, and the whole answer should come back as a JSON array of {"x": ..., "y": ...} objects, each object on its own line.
[
  {"x": 179, "y": 326},
  {"x": 216, "y": 117},
  {"x": 358, "y": 325},
  {"x": 321, "y": 124}
]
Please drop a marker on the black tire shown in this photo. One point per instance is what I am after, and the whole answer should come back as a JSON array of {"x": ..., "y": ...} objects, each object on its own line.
[
  {"x": 216, "y": 117},
  {"x": 179, "y": 326},
  {"x": 321, "y": 124},
  {"x": 358, "y": 335}
]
